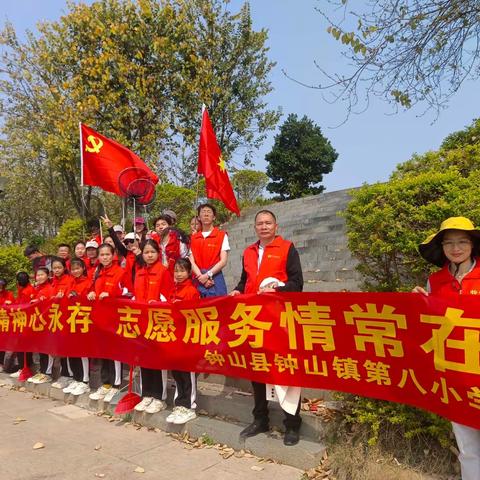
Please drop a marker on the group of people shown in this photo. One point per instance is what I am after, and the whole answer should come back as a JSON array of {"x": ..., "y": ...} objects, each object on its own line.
[
  {"x": 148, "y": 266},
  {"x": 181, "y": 267}
]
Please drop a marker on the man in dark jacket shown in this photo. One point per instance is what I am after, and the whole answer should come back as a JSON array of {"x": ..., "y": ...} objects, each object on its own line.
[{"x": 271, "y": 264}]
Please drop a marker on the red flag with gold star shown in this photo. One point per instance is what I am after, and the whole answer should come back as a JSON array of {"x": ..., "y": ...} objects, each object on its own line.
[
  {"x": 104, "y": 159},
  {"x": 212, "y": 167}
]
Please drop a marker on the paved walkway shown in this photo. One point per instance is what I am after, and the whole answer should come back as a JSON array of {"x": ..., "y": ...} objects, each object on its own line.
[{"x": 81, "y": 445}]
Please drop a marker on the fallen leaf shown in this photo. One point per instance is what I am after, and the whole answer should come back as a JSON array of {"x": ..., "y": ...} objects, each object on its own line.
[
  {"x": 97, "y": 447},
  {"x": 22, "y": 389},
  {"x": 139, "y": 470},
  {"x": 38, "y": 445},
  {"x": 100, "y": 475},
  {"x": 256, "y": 468},
  {"x": 227, "y": 455}
]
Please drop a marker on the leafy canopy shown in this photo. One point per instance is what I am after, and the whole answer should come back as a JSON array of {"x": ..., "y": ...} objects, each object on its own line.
[
  {"x": 406, "y": 51},
  {"x": 300, "y": 157},
  {"x": 138, "y": 72}
]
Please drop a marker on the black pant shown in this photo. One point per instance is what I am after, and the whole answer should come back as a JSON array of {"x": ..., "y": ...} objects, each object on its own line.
[
  {"x": 260, "y": 410},
  {"x": 64, "y": 371},
  {"x": 79, "y": 368},
  {"x": 44, "y": 359},
  {"x": 111, "y": 373},
  {"x": 153, "y": 384},
  {"x": 2, "y": 356},
  {"x": 21, "y": 359},
  {"x": 186, "y": 389}
]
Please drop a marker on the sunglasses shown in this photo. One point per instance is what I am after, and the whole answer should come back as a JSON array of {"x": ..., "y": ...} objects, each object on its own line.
[{"x": 128, "y": 241}]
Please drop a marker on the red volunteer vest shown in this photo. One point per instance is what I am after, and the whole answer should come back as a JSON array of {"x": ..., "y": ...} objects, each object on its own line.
[
  {"x": 274, "y": 263},
  {"x": 206, "y": 251},
  {"x": 110, "y": 280},
  {"x": 444, "y": 283},
  {"x": 151, "y": 282},
  {"x": 25, "y": 294},
  {"x": 43, "y": 291},
  {"x": 62, "y": 284},
  {"x": 185, "y": 291},
  {"x": 6, "y": 296},
  {"x": 81, "y": 285}
]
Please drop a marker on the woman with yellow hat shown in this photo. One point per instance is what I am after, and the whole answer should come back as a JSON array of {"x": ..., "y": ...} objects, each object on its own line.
[{"x": 455, "y": 248}]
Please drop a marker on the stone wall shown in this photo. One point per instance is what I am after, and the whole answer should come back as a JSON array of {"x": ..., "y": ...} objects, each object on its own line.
[{"x": 318, "y": 232}]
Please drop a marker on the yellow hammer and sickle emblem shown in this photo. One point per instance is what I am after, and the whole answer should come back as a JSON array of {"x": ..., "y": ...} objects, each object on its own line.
[{"x": 96, "y": 143}]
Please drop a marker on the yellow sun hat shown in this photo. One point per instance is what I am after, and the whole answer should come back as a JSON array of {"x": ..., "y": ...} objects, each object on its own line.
[{"x": 431, "y": 248}]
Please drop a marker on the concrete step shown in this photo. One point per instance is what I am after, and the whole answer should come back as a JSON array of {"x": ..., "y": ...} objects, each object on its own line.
[{"x": 219, "y": 427}]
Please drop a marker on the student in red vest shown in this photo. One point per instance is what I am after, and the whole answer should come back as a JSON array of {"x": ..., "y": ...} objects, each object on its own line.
[
  {"x": 108, "y": 282},
  {"x": 153, "y": 283},
  {"x": 128, "y": 250},
  {"x": 6, "y": 298},
  {"x": 91, "y": 260},
  {"x": 79, "y": 250},
  {"x": 172, "y": 241},
  {"x": 43, "y": 291},
  {"x": 456, "y": 249},
  {"x": 62, "y": 283},
  {"x": 271, "y": 264},
  {"x": 209, "y": 254},
  {"x": 25, "y": 293},
  {"x": 185, "y": 382},
  {"x": 79, "y": 366}
]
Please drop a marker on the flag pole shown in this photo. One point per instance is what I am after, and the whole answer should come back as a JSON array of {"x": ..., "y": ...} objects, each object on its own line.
[
  {"x": 82, "y": 188},
  {"x": 198, "y": 175}
]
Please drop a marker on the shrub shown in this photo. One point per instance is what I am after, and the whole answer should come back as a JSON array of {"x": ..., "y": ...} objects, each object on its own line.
[{"x": 12, "y": 261}]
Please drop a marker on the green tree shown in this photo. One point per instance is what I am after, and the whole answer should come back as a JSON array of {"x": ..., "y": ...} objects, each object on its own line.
[
  {"x": 407, "y": 52},
  {"x": 387, "y": 221},
  {"x": 385, "y": 224},
  {"x": 249, "y": 185},
  {"x": 137, "y": 71},
  {"x": 300, "y": 157}
]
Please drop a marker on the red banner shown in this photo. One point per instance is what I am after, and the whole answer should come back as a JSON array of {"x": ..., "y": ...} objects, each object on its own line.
[{"x": 402, "y": 347}]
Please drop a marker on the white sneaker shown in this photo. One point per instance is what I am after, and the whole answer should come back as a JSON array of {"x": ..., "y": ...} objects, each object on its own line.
[
  {"x": 184, "y": 415},
  {"x": 69, "y": 387},
  {"x": 100, "y": 393},
  {"x": 80, "y": 389},
  {"x": 111, "y": 392},
  {"x": 35, "y": 378},
  {"x": 173, "y": 415},
  {"x": 141, "y": 407},
  {"x": 15, "y": 374},
  {"x": 62, "y": 382},
  {"x": 42, "y": 378},
  {"x": 156, "y": 406}
]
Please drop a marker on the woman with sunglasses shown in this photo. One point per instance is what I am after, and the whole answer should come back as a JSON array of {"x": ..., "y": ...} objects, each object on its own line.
[{"x": 455, "y": 248}]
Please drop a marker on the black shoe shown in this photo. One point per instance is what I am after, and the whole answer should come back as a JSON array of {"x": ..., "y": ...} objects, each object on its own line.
[
  {"x": 254, "y": 429},
  {"x": 291, "y": 437}
]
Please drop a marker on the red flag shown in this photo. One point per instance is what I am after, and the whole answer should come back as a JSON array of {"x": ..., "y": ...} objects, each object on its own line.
[
  {"x": 212, "y": 167},
  {"x": 103, "y": 160}
]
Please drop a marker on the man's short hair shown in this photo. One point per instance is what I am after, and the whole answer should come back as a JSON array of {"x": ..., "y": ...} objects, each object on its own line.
[
  {"x": 266, "y": 212},
  {"x": 207, "y": 205},
  {"x": 63, "y": 245},
  {"x": 30, "y": 250}
]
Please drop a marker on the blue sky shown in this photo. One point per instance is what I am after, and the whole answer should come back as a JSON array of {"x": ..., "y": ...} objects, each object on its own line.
[{"x": 370, "y": 145}]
